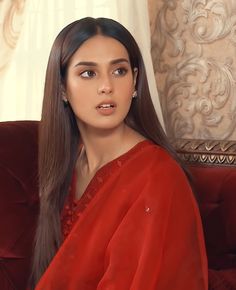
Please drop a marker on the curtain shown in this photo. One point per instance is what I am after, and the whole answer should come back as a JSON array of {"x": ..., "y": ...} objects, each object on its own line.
[
  {"x": 21, "y": 87},
  {"x": 11, "y": 20}
]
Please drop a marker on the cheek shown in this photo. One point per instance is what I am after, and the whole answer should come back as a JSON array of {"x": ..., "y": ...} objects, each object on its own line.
[
  {"x": 126, "y": 92},
  {"x": 125, "y": 85},
  {"x": 78, "y": 94}
]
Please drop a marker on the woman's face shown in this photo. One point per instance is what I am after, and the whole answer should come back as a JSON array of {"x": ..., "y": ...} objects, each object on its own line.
[{"x": 100, "y": 83}]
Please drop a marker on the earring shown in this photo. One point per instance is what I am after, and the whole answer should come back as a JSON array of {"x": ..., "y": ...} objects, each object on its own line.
[
  {"x": 135, "y": 95},
  {"x": 65, "y": 103}
]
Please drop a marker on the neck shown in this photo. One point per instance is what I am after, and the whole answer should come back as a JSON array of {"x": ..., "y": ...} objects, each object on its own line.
[{"x": 102, "y": 146}]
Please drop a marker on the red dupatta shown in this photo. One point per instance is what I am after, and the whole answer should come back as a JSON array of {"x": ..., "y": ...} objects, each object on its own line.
[{"x": 136, "y": 227}]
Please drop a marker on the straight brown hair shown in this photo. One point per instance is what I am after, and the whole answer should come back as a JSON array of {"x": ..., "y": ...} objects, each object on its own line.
[{"x": 59, "y": 137}]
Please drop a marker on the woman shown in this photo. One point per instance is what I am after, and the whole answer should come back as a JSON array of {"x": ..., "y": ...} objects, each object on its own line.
[{"x": 116, "y": 211}]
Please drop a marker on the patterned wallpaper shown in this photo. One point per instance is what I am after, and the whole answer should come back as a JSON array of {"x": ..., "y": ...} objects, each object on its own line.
[{"x": 193, "y": 51}]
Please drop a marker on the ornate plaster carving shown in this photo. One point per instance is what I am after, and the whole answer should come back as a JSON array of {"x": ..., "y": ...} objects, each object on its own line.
[{"x": 193, "y": 50}]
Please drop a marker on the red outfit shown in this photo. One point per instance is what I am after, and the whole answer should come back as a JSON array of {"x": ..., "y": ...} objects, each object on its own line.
[{"x": 136, "y": 227}]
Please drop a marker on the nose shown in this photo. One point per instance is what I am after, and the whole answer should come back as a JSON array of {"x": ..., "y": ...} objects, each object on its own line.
[{"x": 105, "y": 86}]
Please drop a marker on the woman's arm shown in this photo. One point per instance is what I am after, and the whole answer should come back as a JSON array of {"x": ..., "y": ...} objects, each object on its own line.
[{"x": 159, "y": 244}]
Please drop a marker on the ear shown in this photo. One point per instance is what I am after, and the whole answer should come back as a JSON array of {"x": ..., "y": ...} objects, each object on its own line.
[
  {"x": 63, "y": 93},
  {"x": 64, "y": 98},
  {"x": 135, "y": 74}
]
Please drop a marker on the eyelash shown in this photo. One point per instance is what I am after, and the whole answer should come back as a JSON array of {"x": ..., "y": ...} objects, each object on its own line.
[
  {"x": 86, "y": 72},
  {"x": 122, "y": 70},
  {"x": 91, "y": 73}
]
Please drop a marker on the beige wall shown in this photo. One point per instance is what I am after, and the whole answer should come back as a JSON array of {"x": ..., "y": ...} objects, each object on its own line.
[{"x": 193, "y": 50}]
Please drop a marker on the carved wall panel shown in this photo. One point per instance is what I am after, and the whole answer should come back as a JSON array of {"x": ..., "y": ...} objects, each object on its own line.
[
  {"x": 207, "y": 152},
  {"x": 194, "y": 56}
]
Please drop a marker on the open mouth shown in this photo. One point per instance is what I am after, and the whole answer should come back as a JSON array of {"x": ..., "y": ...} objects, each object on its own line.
[{"x": 105, "y": 106}]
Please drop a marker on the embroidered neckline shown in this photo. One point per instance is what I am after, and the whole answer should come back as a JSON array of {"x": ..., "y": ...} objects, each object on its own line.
[{"x": 74, "y": 207}]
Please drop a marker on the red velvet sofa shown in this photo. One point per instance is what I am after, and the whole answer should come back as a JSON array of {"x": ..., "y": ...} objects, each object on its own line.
[
  {"x": 18, "y": 201},
  {"x": 213, "y": 167}
]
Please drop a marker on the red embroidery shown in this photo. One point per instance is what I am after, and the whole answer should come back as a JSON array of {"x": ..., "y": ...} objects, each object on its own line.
[{"x": 73, "y": 208}]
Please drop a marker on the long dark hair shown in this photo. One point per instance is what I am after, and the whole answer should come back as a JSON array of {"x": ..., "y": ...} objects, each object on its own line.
[{"x": 59, "y": 136}]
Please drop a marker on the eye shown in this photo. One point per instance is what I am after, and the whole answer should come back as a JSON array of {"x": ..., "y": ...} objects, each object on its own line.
[
  {"x": 87, "y": 74},
  {"x": 120, "y": 71}
]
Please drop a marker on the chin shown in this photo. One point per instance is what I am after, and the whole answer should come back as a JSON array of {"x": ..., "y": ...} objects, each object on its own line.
[
  {"x": 109, "y": 126},
  {"x": 105, "y": 124}
]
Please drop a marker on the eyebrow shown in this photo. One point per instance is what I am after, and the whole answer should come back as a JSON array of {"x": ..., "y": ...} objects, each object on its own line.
[{"x": 91, "y": 63}]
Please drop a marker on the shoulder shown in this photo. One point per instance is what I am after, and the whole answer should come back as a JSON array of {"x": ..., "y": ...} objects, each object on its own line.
[
  {"x": 161, "y": 174},
  {"x": 156, "y": 160}
]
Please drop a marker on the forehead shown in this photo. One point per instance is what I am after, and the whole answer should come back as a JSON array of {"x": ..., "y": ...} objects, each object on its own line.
[{"x": 100, "y": 48}]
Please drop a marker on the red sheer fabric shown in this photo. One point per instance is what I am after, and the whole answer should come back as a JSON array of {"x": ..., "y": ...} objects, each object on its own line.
[{"x": 136, "y": 227}]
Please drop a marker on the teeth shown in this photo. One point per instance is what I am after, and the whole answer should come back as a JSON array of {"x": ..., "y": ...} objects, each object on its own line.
[{"x": 105, "y": 106}]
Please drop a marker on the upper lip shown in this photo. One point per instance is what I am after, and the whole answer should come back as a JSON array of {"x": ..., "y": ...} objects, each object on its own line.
[{"x": 108, "y": 102}]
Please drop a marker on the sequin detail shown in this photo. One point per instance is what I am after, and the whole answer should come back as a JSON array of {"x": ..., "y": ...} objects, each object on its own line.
[{"x": 147, "y": 209}]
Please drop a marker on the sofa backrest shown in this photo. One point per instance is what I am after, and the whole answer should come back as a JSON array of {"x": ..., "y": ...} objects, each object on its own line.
[
  {"x": 18, "y": 201},
  {"x": 213, "y": 167}
]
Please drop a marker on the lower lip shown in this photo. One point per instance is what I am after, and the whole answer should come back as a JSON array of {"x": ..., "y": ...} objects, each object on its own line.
[{"x": 106, "y": 111}]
